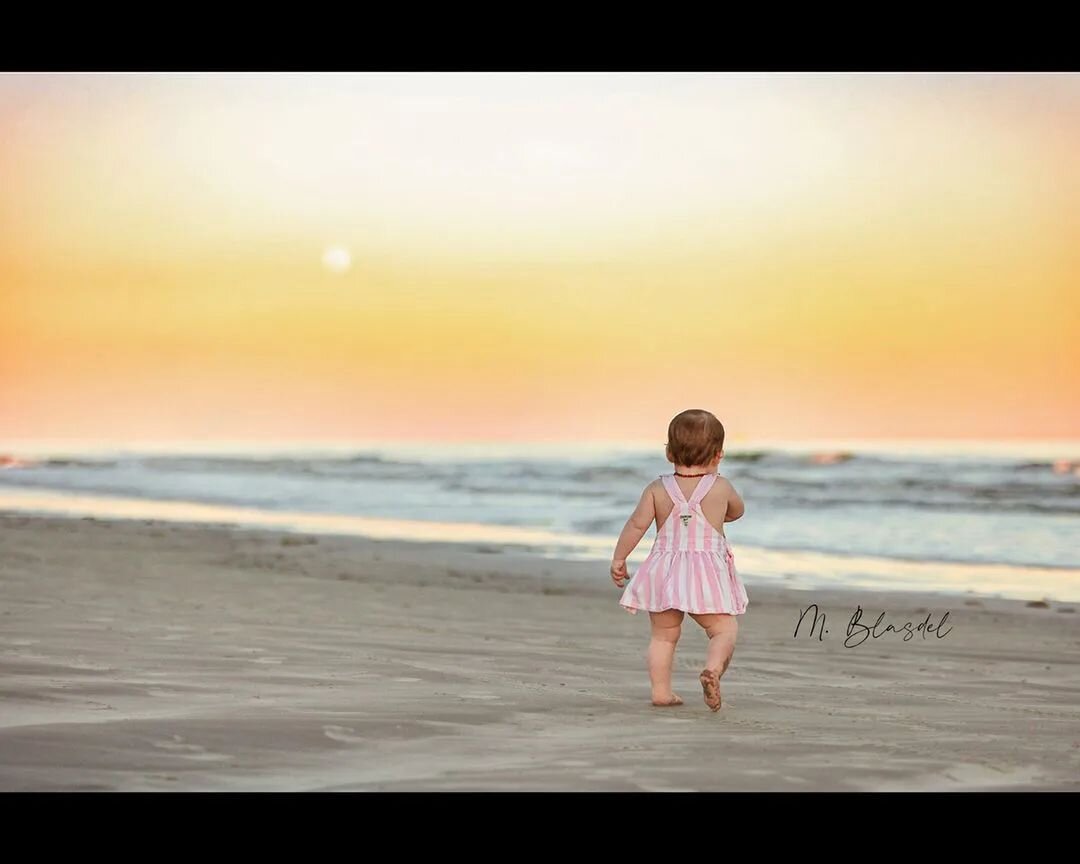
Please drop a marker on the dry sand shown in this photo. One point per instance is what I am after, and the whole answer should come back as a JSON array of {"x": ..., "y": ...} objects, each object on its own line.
[{"x": 154, "y": 656}]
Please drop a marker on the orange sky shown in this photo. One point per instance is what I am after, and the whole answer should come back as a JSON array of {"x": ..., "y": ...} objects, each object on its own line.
[{"x": 537, "y": 256}]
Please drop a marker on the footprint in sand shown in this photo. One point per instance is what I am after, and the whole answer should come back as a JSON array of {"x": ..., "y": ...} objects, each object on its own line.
[
  {"x": 343, "y": 734},
  {"x": 82, "y": 665},
  {"x": 196, "y": 752}
]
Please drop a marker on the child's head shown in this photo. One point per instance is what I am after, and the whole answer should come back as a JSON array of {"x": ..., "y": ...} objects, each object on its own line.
[{"x": 695, "y": 438}]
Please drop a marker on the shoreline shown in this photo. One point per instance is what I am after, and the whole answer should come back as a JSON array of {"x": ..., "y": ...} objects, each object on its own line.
[
  {"x": 796, "y": 569},
  {"x": 156, "y": 656}
]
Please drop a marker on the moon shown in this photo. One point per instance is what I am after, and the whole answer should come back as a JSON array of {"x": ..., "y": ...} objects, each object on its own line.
[{"x": 336, "y": 259}]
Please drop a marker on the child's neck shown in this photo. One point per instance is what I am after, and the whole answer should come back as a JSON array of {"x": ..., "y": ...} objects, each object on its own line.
[{"x": 683, "y": 470}]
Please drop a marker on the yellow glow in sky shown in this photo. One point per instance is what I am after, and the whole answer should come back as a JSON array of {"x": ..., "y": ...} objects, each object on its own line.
[{"x": 563, "y": 256}]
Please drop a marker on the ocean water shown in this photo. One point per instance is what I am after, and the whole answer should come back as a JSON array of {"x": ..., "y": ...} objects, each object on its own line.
[{"x": 989, "y": 518}]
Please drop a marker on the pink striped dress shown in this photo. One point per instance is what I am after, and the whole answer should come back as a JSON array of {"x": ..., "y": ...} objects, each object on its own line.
[{"x": 691, "y": 566}]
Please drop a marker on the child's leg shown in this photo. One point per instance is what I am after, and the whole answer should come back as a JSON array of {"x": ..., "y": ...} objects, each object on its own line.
[
  {"x": 666, "y": 627},
  {"x": 722, "y": 630}
]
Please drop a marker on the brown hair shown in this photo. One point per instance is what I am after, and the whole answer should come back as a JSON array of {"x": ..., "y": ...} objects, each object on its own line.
[{"x": 694, "y": 437}]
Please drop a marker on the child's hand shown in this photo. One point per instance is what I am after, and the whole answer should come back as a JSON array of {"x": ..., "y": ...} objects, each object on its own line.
[{"x": 618, "y": 572}]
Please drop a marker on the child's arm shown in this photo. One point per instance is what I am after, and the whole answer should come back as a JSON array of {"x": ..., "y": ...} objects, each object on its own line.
[
  {"x": 631, "y": 535},
  {"x": 735, "y": 505}
]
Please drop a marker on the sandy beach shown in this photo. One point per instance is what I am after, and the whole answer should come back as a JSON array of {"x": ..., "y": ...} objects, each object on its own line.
[{"x": 152, "y": 656}]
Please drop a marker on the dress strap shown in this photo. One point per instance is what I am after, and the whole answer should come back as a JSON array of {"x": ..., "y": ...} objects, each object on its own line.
[
  {"x": 673, "y": 489},
  {"x": 702, "y": 489}
]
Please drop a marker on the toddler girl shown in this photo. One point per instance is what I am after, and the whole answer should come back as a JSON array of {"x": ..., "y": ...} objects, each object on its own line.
[{"x": 690, "y": 568}]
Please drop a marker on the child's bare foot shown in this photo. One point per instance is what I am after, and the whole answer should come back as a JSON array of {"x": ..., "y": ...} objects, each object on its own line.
[
  {"x": 670, "y": 702},
  {"x": 710, "y": 684}
]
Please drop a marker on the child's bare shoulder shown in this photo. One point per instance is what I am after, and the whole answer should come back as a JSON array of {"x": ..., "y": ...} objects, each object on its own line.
[
  {"x": 723, "y": 484},
  {"x": 656, "y": 489}
]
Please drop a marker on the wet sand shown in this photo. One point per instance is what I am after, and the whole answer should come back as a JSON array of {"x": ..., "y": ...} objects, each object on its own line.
[{"x": 155, "y": 656}]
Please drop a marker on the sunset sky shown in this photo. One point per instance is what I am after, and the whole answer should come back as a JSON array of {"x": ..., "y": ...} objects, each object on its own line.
[{"x": 539, "y": 256}]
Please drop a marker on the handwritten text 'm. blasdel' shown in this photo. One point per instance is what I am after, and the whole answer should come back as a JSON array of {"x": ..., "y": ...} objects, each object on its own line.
[{"x": 857, "y": 632}]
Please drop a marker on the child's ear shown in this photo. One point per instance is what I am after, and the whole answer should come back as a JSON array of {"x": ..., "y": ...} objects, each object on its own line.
[{"x": 720, "y": 455}]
